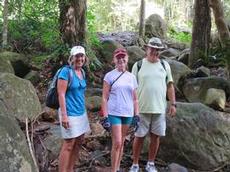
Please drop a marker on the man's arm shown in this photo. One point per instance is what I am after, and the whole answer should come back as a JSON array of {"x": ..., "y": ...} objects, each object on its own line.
[{"x": 172, "y": 99}]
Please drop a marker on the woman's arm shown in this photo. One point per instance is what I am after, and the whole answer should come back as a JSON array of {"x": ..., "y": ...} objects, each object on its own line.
[
  {"x": 135, "y": 102},
  {"x": 61, "y": 88},
  {"x": 105, "y": 96}
]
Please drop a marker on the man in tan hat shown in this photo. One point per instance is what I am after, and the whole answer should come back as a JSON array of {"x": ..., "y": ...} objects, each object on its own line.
[{"x": 154, "y": 82}]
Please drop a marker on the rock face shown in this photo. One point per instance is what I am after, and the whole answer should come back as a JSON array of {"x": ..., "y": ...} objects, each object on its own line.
[
  {"x": 195, "y": 90},
  {"x": 135, "y": 54},
  {"x": 198, "y": 137},
  {"x": 215, "y": 98},
  {"x": 5, "y": 66},
  {"x": 18, "y": 97},
  {"x": 108, "y": 46},
  {"x": 155, "y": 26},
  {"x": 14, "y": 152},
  {"x": 178, "y": 70},
  {"x": 18, "y": 61}
]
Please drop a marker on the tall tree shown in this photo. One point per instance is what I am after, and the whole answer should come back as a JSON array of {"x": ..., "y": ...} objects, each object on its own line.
[
  {"x": 142, "y": 19},
  {"x": 221, "y": 25},
  {"x": 200, "y": 32},
  {"x": 5, "y": 25},
  {"x": 73, "y": 21}
]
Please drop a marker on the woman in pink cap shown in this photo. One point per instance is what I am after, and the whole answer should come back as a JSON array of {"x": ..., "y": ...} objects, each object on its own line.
[{"x": 119, "y": 103}]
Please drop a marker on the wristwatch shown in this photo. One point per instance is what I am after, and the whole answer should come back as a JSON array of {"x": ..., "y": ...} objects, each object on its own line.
[{"x": 173, "y": 104}]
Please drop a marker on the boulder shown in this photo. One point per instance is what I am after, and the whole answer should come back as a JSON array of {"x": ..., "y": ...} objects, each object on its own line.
[
  {"x": 18, "y": 97},
  {"x": 5, "y": 66},
  {"x": 14, "y": 151},
  {"x": 93, "y": 103},
  {"x": 195, "y": 89},
  {"x": 215, "y": 98},
  {"x": 107, "y": 49},
  {"x": 33, "y": 77},
  {"x": 155, "y": 26},
  {"x": 184, "y": 56},
  {"x": 170, "y": 53},
  {"x": 176, "y": 168},
  {"x": 197, "y": 138},
  {"x": 135, "y": 54},
  {"x": 179, "y": 70},
  {"x": 202, "y": 72},
  {"x": 19, "y": 62}
]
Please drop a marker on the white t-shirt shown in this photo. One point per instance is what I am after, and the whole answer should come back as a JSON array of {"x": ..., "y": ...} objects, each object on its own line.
[
  {"x": 152, "y": 86},
  {"x": 120, "y": 101}
]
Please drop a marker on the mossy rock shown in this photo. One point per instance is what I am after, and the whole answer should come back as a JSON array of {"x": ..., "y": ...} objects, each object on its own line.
[
  {"x": 18, "y": 97},
  {"x": 19, "y": 62},
  {"x": 15, "y": 155},
  {"x": 5, "y": 66}
]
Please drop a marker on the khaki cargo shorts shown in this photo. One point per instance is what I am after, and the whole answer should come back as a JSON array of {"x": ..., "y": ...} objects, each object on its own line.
[{"x": 154, "y": 123}]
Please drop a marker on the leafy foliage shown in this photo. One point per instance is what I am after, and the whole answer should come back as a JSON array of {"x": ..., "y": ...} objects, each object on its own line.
[{"x": 180, "y": 36}]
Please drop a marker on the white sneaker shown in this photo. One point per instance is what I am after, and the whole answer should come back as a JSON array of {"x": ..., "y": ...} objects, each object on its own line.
[
  {"x": 150, "y": 167},
  {"x": 134, "y": 168}
]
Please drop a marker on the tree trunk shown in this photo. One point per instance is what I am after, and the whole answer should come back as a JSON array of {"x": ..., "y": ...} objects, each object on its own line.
[
  {"x": 5, "y": 25},
  {"x": 200, "y": 32},
  {"x": 73, "y": 21},
  {"x": 221, "y": 25},
  {"x": 142, "y": 19}
]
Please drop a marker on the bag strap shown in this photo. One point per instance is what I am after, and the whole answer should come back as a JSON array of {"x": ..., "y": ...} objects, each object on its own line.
[
  {"x": 117, "y": 79},
  {"x": 163, "y": 64}
]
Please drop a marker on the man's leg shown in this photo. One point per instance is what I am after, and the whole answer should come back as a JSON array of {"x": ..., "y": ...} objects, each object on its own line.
[
  {"x": 137, "y": 147},
  {"x": 153, "y": 147}
]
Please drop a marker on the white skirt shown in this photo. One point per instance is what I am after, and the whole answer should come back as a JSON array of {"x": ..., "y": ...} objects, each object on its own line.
[{"x": 78, "y": 125}]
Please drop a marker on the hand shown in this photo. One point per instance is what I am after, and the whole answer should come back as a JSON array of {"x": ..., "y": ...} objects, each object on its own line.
[
  {"x": 172, "y": 110},
  {"x": 65, "y": 121},
  {"x": 136, "y": 120},
  {"x": 106, "y": 124}
]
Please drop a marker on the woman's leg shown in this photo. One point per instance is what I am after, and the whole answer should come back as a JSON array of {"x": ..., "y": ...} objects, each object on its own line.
[
  {"x": 116, "y": 146},
  {"x": 124, "y": 130},
  {"x": 65, "y": 154},
  {"x": 75, "y": 152}
]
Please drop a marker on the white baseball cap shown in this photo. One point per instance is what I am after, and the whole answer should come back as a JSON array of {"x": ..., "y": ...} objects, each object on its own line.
[{"x": 77, "y": 50}]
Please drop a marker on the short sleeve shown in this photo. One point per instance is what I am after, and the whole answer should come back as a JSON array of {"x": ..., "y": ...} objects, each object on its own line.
[
  {"x": 169, "y": 73},
  {"x": 108, "y": 78},
  {"x": 134, "y": 69},
  {"x": 64, "y": 74},
  {"x": 135, "y": 85}
]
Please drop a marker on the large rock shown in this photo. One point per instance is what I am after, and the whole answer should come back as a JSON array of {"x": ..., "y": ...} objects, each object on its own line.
[
  {"x": 14, "y": 152},
  {"x": 19, "y": 62},
  {"x": 135, "y": 54},
  {"x": 198, "y": 137},
  {"x": 93, "y": 103},
  {"x": 107, "y": 49},
  {"x": 179, "y": 70},
  {"x": 215, "y": 98},
  {"x": 155, "y": 26},
  {"x": 18, "y": 97},
  {"x": 195, "y": 89},
  {"x": 5, "y": 66}
]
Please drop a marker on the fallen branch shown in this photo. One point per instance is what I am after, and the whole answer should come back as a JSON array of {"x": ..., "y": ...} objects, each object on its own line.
[{"x": 30, "y": 146}]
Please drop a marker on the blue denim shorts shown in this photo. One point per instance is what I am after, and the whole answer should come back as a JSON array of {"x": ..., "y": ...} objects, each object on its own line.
[{"x": 120, "y": 120}]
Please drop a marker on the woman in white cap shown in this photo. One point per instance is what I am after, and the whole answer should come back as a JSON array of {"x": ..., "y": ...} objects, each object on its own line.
[
  {"x": 72, "y": 113},
  {"x": 119, "y": 103}
]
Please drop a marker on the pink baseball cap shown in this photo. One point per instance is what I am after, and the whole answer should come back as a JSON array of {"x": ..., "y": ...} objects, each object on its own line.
[{"x": 120, "y": 52}]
